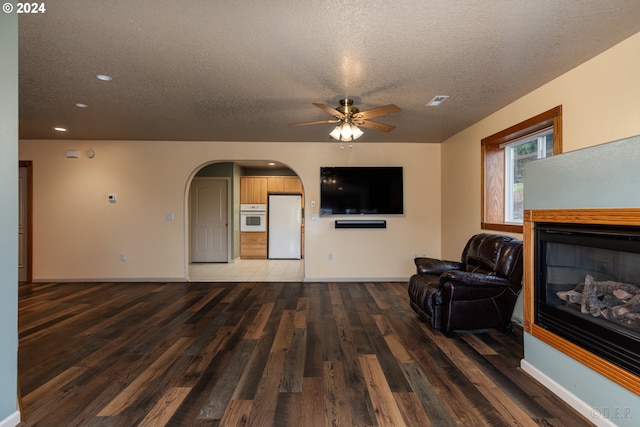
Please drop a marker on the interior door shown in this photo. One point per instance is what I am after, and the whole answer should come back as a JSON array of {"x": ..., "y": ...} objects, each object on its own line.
[{"x": 209, "y": 220}]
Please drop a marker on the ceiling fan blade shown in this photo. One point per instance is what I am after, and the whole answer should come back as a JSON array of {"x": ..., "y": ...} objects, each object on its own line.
[
  {"x": 329, "y": 109},
  {"x": 377, "y": 126},
  {"x": 380, "y": 111},
  {"x": 318, "y": 122}
]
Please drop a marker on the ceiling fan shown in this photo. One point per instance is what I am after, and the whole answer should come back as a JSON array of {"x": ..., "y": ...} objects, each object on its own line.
[{"x": 349, "y": 118}]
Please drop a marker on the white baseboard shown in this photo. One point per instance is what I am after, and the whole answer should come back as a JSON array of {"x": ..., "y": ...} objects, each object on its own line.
[
  {"x": 115, "y": 280},
  {"x": 355, "y": 279},
  {"x": 11, "y": 421},
  {"x": 592, "y": 414}
]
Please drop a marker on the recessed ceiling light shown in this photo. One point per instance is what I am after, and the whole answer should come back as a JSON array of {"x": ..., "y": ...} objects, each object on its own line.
[
  {"x": 81, "y": 105},
  {"x": 437, "y": 100},
  {"x": 60, "y": 129},
  {"x": 271, "y": 164},
  {"x": 104, "y": 77}
]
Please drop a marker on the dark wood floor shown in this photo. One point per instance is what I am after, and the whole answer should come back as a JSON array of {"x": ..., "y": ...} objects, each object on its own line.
[{"x": 263, "y": 354}]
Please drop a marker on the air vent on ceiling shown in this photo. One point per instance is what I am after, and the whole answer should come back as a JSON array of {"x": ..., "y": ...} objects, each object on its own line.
[{"x": 437, "y": 100}]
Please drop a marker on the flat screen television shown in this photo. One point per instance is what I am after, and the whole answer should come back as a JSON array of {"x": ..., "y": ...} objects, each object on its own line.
[{"x": 361, "y": 190}]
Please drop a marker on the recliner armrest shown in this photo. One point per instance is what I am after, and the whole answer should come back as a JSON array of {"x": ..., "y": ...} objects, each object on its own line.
[
  {"x": 474, "y": 279},
  {"x": 435, "y": 266},
  {"x": 462, "y": 285}
]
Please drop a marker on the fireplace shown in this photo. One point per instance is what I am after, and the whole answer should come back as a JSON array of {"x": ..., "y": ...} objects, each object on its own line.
[
  {"x": 586, "y": 282},
  {"x": 582, "y": 287}
]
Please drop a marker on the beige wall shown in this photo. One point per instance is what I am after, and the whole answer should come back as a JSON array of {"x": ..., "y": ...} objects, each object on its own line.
[
  {"x": 79, "y": 235},
  {"x": 601, "y": 103}
]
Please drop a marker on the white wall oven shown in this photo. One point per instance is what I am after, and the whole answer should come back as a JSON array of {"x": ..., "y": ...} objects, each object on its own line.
[{"x": 253, "y": 217}]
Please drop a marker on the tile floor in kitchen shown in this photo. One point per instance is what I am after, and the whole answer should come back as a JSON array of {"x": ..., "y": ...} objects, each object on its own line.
[{"x": 248, "y": 270}]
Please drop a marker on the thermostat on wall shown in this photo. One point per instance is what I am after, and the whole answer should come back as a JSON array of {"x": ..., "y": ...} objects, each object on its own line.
[{"x": 112, "y": 198}]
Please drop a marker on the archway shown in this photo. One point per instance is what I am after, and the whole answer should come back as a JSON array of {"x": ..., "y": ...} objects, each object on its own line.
[{"x": 247, "y": 260}]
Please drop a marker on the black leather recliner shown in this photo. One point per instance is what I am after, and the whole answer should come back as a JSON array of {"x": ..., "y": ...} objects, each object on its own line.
[{"x": 477, "y": 293}]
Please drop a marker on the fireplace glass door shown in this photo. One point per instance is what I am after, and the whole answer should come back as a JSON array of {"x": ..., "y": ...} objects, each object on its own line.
[{"x": 587, "y": 288}]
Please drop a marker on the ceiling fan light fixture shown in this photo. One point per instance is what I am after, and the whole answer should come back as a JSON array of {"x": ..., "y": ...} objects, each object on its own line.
[
  {"x": 357, "y": 132},
  {"x": 349, "y": 118},
  {"x": 335, "y": 134},
  {"x": 346, "y": 131}
]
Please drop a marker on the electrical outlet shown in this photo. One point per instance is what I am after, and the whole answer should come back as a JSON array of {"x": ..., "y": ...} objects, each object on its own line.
[
  {"x": 123, "y": 257},
  {"x": 330, "y": 257}
]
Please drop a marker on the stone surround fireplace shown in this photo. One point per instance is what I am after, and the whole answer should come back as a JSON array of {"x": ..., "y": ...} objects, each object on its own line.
[{"x": 582, "y": 287}]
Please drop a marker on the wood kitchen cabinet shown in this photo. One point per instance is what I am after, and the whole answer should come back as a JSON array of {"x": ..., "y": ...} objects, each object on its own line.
[
  {"x": 275, "y": 184},
  {"x": 284, "y": 184},
  {"x": 292, "y": 184},
  {"x": 253, "y": 245},
  {"x": 253, "y": 189}
]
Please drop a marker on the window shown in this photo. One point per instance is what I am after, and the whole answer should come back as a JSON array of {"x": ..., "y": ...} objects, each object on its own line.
[
  {"x": 516, "y": 155},
  {"x": 504, "y": 155}
]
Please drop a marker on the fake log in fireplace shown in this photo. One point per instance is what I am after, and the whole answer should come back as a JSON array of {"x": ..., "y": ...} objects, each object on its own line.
[
  {"x": 614, "y": 301},
  {"x": 582, "y": 287}
]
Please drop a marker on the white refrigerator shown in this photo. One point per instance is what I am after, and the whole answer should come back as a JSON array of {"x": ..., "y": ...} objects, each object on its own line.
[{"x": 285, "y": 222}]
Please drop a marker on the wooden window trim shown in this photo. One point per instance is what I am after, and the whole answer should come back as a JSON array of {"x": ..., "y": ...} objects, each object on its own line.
[{"x": 492, "y": 168}]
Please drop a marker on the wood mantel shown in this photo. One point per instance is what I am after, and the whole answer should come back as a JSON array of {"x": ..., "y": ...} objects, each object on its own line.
[{"x": 616, "y": 216}]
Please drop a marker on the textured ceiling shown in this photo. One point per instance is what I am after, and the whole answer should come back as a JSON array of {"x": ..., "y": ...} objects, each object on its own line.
[{"x": 239, "y": 70}]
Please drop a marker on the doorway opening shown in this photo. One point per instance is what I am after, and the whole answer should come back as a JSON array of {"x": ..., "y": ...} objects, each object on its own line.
[
  {"x": 218, "y": 249},
  {"x": 25, "y": 246}
]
